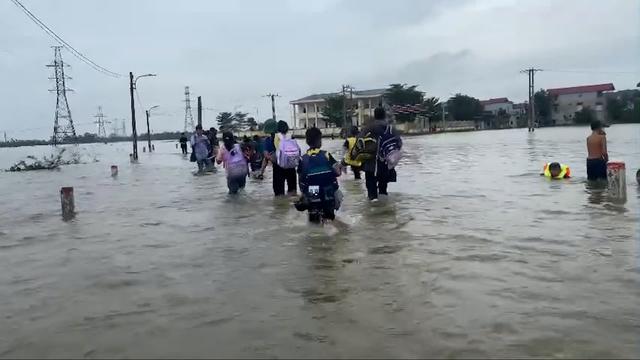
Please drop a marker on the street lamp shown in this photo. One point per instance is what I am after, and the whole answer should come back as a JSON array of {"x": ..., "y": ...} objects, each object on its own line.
[
  {"x": 132, "y": 86},
  {"x": 148, "y": 130}
]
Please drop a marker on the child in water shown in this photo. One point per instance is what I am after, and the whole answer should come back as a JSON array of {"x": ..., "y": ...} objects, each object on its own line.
[
  {"x": 318, "y": 177},
  {"x": 235, "y": 163},
  {"x": 556, "y": 170}
]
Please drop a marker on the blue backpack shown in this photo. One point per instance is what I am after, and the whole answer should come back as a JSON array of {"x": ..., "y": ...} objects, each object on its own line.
[{"x": 390, "y": 149}]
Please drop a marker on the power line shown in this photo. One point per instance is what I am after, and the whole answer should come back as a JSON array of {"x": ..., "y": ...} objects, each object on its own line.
[
  {"x": 71, "y": 49},
  {"x": 592, "y": 72}
]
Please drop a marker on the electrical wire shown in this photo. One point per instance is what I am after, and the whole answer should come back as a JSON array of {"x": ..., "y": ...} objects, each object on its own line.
[
  {"x": 592, "y": 72},
  {"x": 71, "y": 49}
]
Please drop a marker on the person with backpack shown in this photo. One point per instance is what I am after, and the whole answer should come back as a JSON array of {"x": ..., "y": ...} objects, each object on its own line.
[
  {"x": 349, "y": 145},
  {"x": 200, "y": 150},
  {"x": 284, "y": 153},
  {"x": 235, "y": 162},
  {"x": 379, "y": 150},
  {"x": 318, "y": 173}
]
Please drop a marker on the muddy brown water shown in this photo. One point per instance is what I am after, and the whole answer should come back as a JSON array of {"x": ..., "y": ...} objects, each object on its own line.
[{"x": 472, "y": 255}]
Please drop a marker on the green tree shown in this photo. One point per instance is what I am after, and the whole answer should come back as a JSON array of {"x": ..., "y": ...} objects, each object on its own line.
[
  {"x": 269, "y": 126},
  {"x": 333, "y": 111},
  {"x": 225, "y": 121},
  {"x": 402, "y": 94},
  {"x": 542, "y": 102},
  {"x": 464, "y": 107},
  {"x": 252, "y": 124},
  {"x": 584, "y": 116},
  {"x": 239, "y": 121}
]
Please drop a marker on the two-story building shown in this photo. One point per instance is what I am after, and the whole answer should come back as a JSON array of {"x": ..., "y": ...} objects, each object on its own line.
[
  {"x": 495, "y": 105},
  {"x": 565, "y": 102},
  {"x": 307, "y": 111}
]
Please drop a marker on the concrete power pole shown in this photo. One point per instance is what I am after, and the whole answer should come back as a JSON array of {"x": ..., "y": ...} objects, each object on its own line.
[
  {"x": 532, "y": 90},
  {"x": 273, "y": 104}
]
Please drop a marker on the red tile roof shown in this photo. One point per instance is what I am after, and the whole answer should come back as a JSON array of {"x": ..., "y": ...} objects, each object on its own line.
[
  {"x": 581, "y": 89},
  {"x": 495, "y": 101}
]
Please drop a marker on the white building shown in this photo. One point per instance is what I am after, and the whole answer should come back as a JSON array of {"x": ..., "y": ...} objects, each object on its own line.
[
  {"x": 495, "y": 105},
  {"x": 307, "y": 111},
  {"x": 567, "y": 101}
]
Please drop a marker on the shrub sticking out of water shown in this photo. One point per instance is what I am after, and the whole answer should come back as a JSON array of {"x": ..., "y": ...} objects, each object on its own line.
[{"x": 50, "y": 162}]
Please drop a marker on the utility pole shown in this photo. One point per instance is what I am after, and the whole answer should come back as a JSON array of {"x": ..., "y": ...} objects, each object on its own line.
[
  {"x": 344, "y": 106},
  {"x": 188, "y": 116},
  {"x": 102, "y": 132},
  {"x": 273, "y": 104},
  {"x": 124, "y": 128},
  {"x": 134, "y": 132},
  {"x": 149, "y": 129},
  {"x": 200, "y": 110},
  {"x": 5, "y": 136},
  {"x": 532, "y": 114},
  {"x": 61, "y": 132}
]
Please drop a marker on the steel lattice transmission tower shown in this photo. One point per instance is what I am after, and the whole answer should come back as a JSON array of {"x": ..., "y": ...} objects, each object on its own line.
[
  {"x": 188, "y": 117},
  {"x": 102, "y": 132},
  {"x": 63, "y": 123}
]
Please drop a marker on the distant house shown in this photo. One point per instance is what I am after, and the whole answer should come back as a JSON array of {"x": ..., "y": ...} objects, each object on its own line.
[
  {"x": 307, "y": 111},
  {"x": 567, "y": 101},
  {"x": 494, "y": 106}
]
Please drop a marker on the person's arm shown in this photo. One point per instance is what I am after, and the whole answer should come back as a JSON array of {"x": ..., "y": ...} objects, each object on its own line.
[
  {"x": 220, "y": 155},
  {"x": 337, "y": 167},
  {"x": 302, "y": 179},
  {"x": 605, "y": 153}
]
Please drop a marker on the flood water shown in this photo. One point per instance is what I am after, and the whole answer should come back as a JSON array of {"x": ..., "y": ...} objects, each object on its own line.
[{"x": 472, "y": 255}]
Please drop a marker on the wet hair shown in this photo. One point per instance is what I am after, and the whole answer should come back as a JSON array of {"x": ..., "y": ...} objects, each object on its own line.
[
  {"x": 379, "y": 113},
  {"x": 353, "y": 131},
  {"x": 228, "y": 140},
  {"x": 314, "y": 137},
  {"x": 198, "y": 127},
  {"x": 596, "y": 124},
  {"x": 282, "y": 127},
  {"x": 554, "y": 166}
]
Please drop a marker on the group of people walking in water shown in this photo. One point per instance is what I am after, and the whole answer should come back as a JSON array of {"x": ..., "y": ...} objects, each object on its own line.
[{"x": 375, "y": 150}]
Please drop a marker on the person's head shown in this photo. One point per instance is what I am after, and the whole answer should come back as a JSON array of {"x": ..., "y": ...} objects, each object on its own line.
[
  {"x": 245, "y": 138},
  {"x": 379, "y": 113},
  {"x": 597, "y": 126},
  {"x": 282, "y": 127},
  {"x": 638, "y": 176},
  {"x": 199, "y": 129},
  {"x": 555, "y": 169},
  {"x": 313, "y": 137},
  {"x": 182, "y": 134},
  {"x": 353, "y": 131},
  {"x": 213, "y": 130},
  {"x": 228, "y": 140},
  {"x": 256, "y": 138}
]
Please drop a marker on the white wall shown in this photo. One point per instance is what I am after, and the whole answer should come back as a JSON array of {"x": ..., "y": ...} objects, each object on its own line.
[{"x": 565, "y": 106}]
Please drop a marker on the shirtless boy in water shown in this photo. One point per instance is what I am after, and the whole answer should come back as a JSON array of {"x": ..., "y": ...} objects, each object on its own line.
[{"x": 597, "y": 149}]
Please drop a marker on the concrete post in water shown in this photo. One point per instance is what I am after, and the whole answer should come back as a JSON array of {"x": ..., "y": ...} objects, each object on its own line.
[
  {"x": 68, "y": 204},
  {"x": 144, "y": 149},
  {"x": 114, "y": 170},
  {"x": 617, "y": 180}
]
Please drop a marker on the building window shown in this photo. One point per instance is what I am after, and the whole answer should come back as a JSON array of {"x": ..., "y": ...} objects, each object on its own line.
[{"x": 304, "y": 109}]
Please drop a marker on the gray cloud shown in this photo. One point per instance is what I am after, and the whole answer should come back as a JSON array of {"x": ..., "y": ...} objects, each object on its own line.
[{"x": 233, "y": 52}]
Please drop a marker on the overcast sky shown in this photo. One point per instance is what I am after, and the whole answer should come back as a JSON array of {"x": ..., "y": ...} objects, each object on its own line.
[{"x": 233, "y": 52}]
